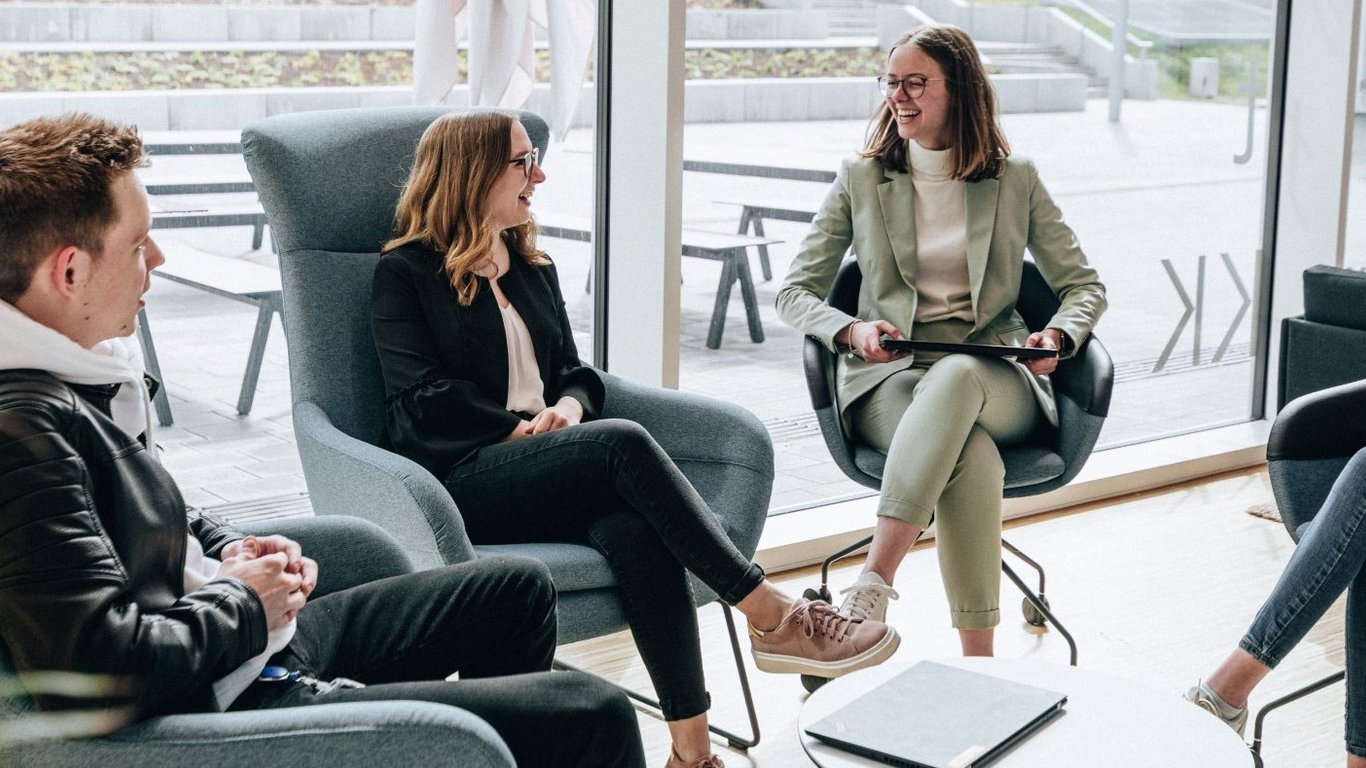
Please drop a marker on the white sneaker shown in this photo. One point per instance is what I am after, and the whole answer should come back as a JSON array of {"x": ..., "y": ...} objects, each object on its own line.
[
  {"x": 867, "y": 599},
  {"x": 1205, "y": 698}
]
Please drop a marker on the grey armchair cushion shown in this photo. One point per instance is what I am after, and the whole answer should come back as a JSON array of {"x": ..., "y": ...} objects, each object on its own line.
[
  {"x": 1335, "y": 296},
  {"x": 329, "y": 182},
  {"x": 1326, "y": 346},
  {"x": 358, "y": 735},
  {"x": 355, "y": 735}
]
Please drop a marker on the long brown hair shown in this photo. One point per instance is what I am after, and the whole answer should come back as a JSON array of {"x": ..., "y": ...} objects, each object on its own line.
[
  {"x": 445, "y": 202},
  {"x": 979, "y": 148}
]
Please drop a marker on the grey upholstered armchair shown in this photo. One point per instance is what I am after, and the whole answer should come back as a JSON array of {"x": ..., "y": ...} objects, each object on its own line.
[
  {"x": 329, "y": 182},
  {"x": 352, "y": 735}
]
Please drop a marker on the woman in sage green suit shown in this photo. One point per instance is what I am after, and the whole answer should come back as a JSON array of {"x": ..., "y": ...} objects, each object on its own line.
[{"x": 939, "y": 217}]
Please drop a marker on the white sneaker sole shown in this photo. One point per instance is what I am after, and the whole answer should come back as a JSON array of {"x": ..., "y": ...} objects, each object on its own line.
[{"x": 796, "y": 665}]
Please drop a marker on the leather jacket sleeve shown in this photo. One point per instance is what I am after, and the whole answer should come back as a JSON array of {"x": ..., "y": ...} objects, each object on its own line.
[{"x": 67, "y": 599}]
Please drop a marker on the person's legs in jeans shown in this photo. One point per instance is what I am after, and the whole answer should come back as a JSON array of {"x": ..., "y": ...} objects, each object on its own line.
[
  {"x": 1328, "y": 560},
  {"x": 493, "y": 621},
  {"x": 939, "y": 428}
]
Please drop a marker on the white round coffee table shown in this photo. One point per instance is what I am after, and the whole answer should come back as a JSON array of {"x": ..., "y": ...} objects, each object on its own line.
[{"x": 1107, "y": 721}]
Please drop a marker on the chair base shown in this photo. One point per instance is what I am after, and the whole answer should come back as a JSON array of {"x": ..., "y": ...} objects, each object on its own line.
[
  {"x": 1036, "y": 608},
  {"x": 1294, "y": 695},
  {"x": 735, "y": 741}
]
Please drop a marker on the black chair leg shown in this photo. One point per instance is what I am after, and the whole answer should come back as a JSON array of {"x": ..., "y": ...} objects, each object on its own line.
[
  {"x": 1295, "y": 695},
  {"x": 1027, "y": 560},
  {"x": 1041, "y": 606},
  {"x": 735, "y": 741}
]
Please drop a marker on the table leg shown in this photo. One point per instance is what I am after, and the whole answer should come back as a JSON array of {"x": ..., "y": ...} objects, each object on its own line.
[
  {"x": 756, "y": 329},
  {"x": 149, "y": 355},
  {"x": 718, "y": 313},
  {"x": 758, "y": 222},
  {"x": 269, "y": 306}
]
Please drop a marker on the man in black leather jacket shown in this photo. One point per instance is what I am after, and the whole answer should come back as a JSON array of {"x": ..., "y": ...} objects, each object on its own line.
[{"x": 104, "y": 572}]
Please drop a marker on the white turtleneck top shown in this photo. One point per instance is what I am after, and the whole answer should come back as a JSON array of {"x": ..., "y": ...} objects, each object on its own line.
[{"x": 941, "y": 228}]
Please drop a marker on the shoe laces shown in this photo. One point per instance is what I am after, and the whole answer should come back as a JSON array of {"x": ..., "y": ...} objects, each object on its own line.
[
  {"x": 864, "y": 599},
  {"x": 819, "y": 617},
  {"x": 710, "y": 761}
]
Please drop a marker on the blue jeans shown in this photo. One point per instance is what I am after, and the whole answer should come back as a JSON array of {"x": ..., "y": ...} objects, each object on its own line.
[
  {"x": 1330, "y": 559},
  {"x": 609, "y": 485}
]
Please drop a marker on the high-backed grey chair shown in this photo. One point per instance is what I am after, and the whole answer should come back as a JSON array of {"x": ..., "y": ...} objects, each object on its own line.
[
  {"x": 1310, "y": 443},
  {"x": 1048, "y": 460},
  {"x": 329, "y": 182},
  {"x": 352, "y": 735}
]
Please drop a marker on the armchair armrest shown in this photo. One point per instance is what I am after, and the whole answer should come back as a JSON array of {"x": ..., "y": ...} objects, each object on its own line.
[
  {"x": 1327, "y": 424},
  {"x": 347, "y": 476},
  {"x": 349, "y": 551},
  {"x": 350, "y": 735},
  {"x": 722, "y": 449},
  {"x": 1311, "y": 441}
]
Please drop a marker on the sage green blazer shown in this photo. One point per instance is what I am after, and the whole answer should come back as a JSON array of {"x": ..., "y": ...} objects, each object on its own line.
[{"x": 870, "y": 209}]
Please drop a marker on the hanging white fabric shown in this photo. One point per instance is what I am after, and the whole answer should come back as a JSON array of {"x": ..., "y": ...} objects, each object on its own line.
[{"x": 502, "y": 51}]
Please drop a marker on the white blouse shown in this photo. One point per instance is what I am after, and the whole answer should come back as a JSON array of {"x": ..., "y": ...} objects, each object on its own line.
[{"x": 524, "y": 375}]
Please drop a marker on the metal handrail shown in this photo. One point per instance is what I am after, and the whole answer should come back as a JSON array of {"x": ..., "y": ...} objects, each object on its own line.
[{"x": 1129, "y": 37}]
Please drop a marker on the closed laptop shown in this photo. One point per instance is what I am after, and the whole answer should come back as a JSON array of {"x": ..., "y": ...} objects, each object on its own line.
[{"x": 937, "y": 716}]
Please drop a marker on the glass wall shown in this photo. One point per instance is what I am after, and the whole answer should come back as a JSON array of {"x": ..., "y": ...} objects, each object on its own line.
[
  {"x": 1354, "y": 252},
  {"x": 1167, "y": 201},
  {"x": 191, "y": 75}
]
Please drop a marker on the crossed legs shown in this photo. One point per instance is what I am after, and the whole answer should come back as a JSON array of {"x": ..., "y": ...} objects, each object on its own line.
[{"x": 939, "y": 428}]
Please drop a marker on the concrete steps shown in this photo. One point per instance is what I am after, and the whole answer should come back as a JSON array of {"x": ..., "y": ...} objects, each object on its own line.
[
  {"x": 849, "y": 18},
  {"x": 1026, "y": 58}
]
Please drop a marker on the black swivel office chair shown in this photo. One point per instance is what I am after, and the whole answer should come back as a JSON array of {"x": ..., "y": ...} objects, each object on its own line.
[
  {"x": 1048, "y": 460},
  {"x": 1310, "y": 443}
]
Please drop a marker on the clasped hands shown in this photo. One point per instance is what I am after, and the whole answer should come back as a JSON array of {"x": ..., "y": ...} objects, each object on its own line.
[
  {"x": 276, "y": 569},
  {"x": 864, "y": 338},
  {"x": 565, "y": 413}
]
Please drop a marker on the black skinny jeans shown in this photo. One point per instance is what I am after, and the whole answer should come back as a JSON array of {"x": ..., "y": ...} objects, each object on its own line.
[
  {"x": 493, "y": 621},
  {"x": 609, "y": 485}
]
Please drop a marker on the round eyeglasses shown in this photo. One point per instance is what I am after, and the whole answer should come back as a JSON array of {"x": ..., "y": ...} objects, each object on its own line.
[
  {"x": 528, "y": 161},
  {"x": 913, "y": 86}
]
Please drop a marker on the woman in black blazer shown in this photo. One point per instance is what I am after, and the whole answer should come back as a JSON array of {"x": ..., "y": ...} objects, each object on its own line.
[{"x": 485, "y": 389}]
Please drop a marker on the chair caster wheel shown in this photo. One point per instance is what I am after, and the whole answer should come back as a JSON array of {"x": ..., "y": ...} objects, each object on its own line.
[
  {"x": 1032, "y": 616},
  {"x": 817, "y": 593},
  {"x": 812, "y": 683}
]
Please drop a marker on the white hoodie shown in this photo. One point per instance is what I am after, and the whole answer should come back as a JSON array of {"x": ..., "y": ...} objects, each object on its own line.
[{"x": 29, "y": 344}]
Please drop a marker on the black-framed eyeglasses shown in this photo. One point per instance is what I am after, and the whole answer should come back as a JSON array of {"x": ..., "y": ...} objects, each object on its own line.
[
  {"x": 528, "y": 161},
  {"x": 913, "y": 86}
]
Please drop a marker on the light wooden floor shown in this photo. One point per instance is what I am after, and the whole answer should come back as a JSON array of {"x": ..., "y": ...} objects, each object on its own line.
[{"x": 1157, "y": 587}]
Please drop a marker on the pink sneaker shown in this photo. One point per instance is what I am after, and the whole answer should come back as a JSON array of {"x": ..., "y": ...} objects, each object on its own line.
[
  {"x": 815, "y": 639},
  {"x": 709, "y": 761}
]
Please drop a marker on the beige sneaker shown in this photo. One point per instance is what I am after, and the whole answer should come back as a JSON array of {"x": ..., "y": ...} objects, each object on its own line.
[
  {"x": 868, "y": 598},
  {"x": 1205, "y": 698},
  {"x": 814, "y": 639}
]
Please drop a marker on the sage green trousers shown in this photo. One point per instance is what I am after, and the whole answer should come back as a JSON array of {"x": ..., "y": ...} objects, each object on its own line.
[{"x": 940, "y": 427}]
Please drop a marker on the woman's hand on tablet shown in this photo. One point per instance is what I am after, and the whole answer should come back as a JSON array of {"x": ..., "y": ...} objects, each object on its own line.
[{"x": 865, "y": 340}]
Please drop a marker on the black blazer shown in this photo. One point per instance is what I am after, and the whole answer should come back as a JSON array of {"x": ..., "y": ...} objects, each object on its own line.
[{"x": 445, "y": 366}]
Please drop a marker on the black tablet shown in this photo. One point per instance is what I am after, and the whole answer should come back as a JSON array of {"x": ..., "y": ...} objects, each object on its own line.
[{"x": 990, "y": 350}]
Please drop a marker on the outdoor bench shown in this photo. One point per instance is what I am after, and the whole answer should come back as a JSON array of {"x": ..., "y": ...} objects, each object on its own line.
[
  {"x": 230, "y": 278},
  {"x": 729, "y": 249},
  {"x": 752, "y": 215}
]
